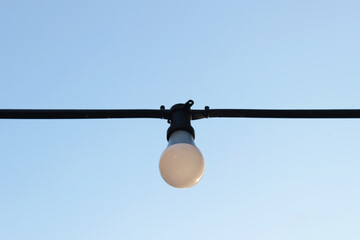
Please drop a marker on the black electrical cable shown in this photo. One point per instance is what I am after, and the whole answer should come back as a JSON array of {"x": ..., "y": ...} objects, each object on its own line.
[
  {"x": 280, "y": 113},
  {"x": 81, "y": 113},
  {"x": 166, "y": 114}
]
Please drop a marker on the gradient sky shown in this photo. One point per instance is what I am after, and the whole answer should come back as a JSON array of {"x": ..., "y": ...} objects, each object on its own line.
[{"x": 98, "y": 179}]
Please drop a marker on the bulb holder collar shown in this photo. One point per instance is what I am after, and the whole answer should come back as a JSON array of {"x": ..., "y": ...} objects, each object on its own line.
[{"x": 180, "y": 119}]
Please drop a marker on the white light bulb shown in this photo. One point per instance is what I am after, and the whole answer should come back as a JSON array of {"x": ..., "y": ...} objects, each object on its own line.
[{"x": 181, "y": 164}]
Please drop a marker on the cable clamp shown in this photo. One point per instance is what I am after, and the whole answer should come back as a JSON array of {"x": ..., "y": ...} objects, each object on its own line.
[
  {"x": 162, "y": 111},
  {"x": 206, "y": 113}
]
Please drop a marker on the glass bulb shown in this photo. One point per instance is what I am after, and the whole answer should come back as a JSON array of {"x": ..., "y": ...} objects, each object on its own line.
[{"x": 181, "y": 164}]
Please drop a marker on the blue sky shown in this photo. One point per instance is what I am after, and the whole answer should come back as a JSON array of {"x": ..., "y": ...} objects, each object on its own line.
[{"x": 99, "y": 179}]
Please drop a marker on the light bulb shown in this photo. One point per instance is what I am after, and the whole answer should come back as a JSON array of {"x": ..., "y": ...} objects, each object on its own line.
[{"x": 181, "y": 164}]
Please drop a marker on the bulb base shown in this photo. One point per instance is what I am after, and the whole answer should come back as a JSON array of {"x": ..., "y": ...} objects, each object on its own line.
[{"x": 180, "y": 119}]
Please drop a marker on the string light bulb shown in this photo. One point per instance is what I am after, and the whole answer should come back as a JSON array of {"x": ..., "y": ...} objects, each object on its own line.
[{"x": 181, "y": 164}]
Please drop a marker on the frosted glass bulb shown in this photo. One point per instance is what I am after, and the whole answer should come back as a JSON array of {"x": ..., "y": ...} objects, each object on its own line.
[{"x": 181, "y": 164}]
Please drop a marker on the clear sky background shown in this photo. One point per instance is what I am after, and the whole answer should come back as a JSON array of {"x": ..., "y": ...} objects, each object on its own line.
[{"x": 98, "y": 179}]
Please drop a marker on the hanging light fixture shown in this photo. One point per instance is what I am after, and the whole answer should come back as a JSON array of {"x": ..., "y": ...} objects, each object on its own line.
[{"x": 181, "y": 164}]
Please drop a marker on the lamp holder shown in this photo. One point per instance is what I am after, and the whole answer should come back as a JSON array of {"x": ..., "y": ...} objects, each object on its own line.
[{"x": 180, "y": 118}]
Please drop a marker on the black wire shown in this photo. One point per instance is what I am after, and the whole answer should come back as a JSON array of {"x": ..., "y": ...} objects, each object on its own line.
[
  {"x": 81, "y": 113},
  {"x": 166, "y": 114},
  {"x": 283, "y": 113}
]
